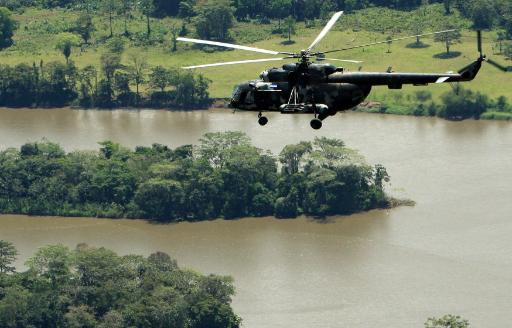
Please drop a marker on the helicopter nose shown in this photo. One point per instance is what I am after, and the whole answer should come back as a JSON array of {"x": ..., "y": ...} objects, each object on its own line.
[{"x": 233, "y": 103}]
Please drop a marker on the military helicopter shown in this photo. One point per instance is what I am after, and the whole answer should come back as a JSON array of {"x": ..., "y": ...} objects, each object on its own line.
[{"x": 322, "y": 89}]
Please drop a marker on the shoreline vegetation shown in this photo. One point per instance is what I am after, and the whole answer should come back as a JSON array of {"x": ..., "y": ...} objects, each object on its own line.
[
  {"x": 224, "y": 176},
  {"x": 95, "y": 287}
]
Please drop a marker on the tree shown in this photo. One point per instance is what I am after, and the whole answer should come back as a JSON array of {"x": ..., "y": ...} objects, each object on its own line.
[
  {"x": 186, "y": 10},
  {"x": 502, "y": 103},
  {"x": 163, "y": 262},
  {"x": 110, "y": 7},
  {"x": 289, "y": 24},
  {"x": 7, "y": 27},
  {"x": 52, "y": 262},
  {"x": 502, "y": 36},
  {"x": 84, "y": 27},
  {"x": 147, "y": 7},
  {"x": 116, "y": 45},
  {"x": 448, "y": 38},
  {"x": 286, "y": 207},
  {"x": 463, "y": 103},
  {"x": 419, "y": 23},
  {"x": 15, "y": 307},
  {"x": 310, "y": 10},
  {"x": 508, "y": 51},
  {"x": 280, "y": 9},
  {"x": 214, "y": 19},
  {"x": 160, "y": 199},
  {"x": 447, "y": 321},
  {"x": 483, "y": 14},
  {"x": 447, "y": 7},
  {"x": 125, "y": 9},
  {"x": 191, "y": 90},
  {"x": 167, "y": 8},
  {"x": 326, "y": 9},
  {"x": 137, "y": 71},
  {"x": 112, "y": 319},
  {"x": 110, "y": 63},
  {"x": 161, "y": 77},
  {"x": 8, "y": 255},
  {"x": 389, "y": 41},
  {"x": 80, "y": 317},
  {"x": 88, "y": 78},
  {"x": 291, "y": 156},
  {"x": 214, "y": 145},
  {"x": 210, "y": 313},
  {"x": 65, "y": 42},
  {"x": 174, "y": 33}
]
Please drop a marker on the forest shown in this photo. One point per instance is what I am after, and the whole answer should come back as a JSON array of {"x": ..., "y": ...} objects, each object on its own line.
[
  {"x": 223, "y": 176},
  {"x": 92, "y": 287},
  {"x": 56, "y": 84}
]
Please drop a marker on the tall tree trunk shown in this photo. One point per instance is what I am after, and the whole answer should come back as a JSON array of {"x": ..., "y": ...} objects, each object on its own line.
[
  {"x": 137, "y": 98},
  {"x": 110, "y": 23},
  {"x": 149, "y": 26}
]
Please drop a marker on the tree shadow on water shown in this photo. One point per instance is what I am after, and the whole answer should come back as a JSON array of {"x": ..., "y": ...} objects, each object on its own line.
[{"x": 445, "y": 55}]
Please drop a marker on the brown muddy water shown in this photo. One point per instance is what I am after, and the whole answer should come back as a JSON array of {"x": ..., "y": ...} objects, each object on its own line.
[{"x": 451, "y": 253}]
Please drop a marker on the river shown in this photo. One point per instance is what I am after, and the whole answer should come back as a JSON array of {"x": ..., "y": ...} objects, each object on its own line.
[{"x": 451, "y": 253}]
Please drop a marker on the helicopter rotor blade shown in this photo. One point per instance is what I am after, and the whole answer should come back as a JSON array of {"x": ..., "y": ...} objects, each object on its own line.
[
  {"x": 479, "y": 43},
  {"x": 387, "y": 41},
  {"x": 340, "y": 60},
  {"x": 498, "y": 65},
  {"x": 326, "y": 29},
  {"x": 232, "y": 46},
  {"x": 236, "y": 62}
]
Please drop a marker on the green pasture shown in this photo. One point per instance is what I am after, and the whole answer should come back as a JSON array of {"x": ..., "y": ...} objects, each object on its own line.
[{"x": 35, "y": 40}]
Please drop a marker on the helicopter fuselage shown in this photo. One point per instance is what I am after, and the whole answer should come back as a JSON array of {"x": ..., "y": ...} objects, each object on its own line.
[
  {"x": 325, "y": 89},
  {"x": 313, "y": 86}
]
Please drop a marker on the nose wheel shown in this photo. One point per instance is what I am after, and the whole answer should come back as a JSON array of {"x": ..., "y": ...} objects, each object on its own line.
[{"x": 262, "y": 120}]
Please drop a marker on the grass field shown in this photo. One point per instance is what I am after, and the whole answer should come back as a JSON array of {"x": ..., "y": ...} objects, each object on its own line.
[{"x": 35, "y": 41}]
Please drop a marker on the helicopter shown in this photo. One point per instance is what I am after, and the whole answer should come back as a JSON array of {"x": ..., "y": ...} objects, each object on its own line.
[{"x": 322, "y": 89}]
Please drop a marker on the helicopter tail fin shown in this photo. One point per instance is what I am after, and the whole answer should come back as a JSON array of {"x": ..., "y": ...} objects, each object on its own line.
[{"x": 469, "y": 72}]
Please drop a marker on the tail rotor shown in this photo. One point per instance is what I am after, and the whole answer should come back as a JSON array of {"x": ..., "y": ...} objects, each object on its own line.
[
  {"x": 479, "y": 44},
  {"x": 488, "y": 60}
]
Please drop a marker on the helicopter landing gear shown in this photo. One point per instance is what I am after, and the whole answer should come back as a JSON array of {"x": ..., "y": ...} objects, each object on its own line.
[
  {"x": 316, "y": 123},
  {"x": 262, "y": 120}
]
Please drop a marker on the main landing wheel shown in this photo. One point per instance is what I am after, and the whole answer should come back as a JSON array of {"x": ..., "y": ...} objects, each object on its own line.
[
  {"x": 262, "y": 120},
  {"x": 316, "y": 124}
]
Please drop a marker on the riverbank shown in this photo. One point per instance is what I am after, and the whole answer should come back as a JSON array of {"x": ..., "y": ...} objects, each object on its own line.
[
  {"x": 370, "y": 107},
  {"x": 421, "y": 112}
]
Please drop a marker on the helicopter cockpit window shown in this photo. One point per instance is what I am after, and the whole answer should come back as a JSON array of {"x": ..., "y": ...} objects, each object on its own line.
[{"x": 236, "y": 93}]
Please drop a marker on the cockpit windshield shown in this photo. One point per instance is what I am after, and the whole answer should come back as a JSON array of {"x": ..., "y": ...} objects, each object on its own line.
[{"x": 236, "y": 93}]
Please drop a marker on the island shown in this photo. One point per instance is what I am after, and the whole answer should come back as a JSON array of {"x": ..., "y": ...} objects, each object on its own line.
[{"x": 223, "y": 176}]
